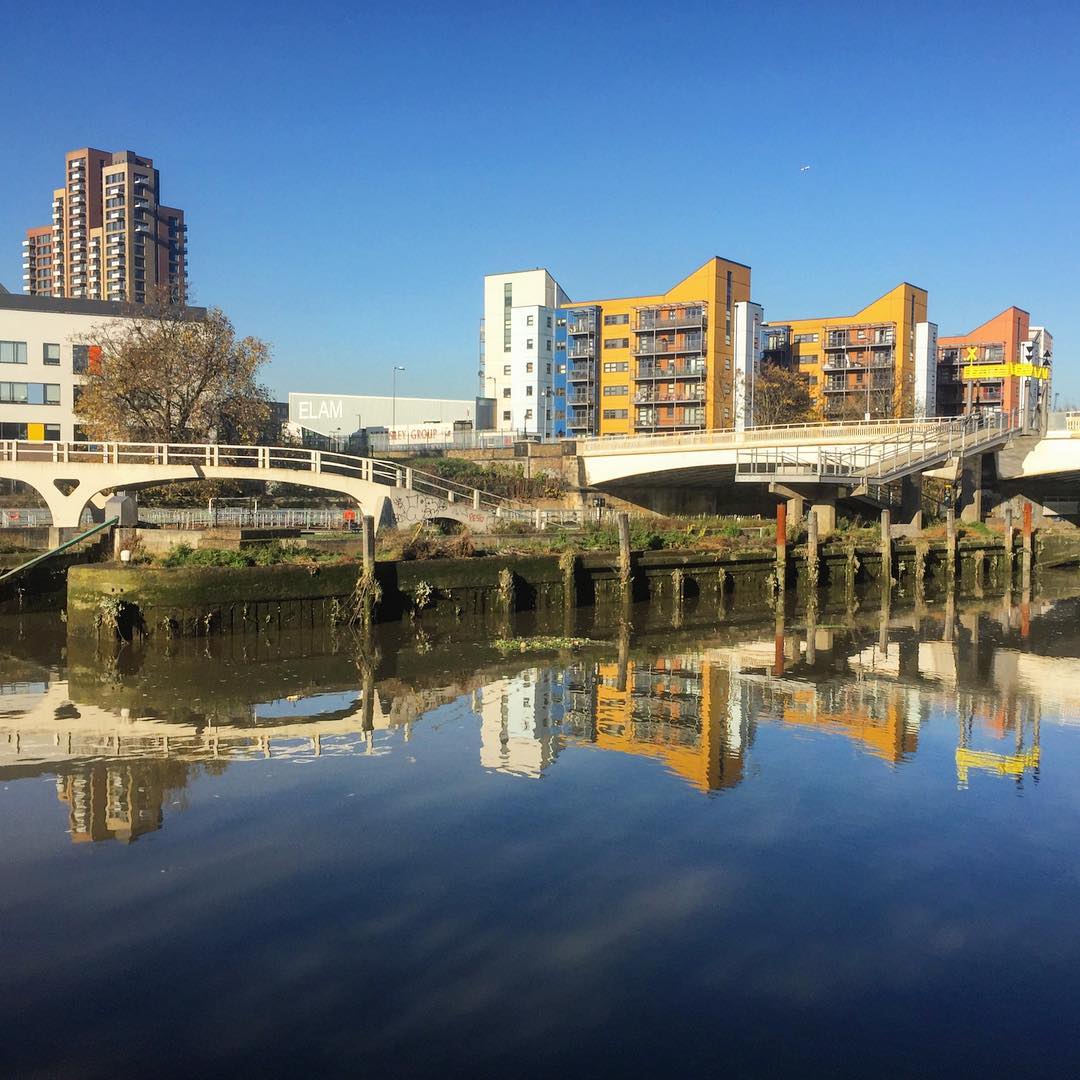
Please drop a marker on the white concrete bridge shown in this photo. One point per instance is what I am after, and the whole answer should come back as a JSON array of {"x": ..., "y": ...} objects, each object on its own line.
[
  {"x": 69, "y": 475},
  {"x": 849, "y": 451}
]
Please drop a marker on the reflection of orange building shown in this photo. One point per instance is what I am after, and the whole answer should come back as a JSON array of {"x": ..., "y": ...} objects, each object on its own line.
[
  {"x": 878, "y": 724},
  {"x": 117, "y": 801},
  {"x": 674, "y": 709}
]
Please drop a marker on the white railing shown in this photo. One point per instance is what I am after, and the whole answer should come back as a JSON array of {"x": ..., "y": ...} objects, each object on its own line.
[
  {"x": 261, "y": 458},
  {"x": 882, "y": 460},
  {"x": 784, "y": 433}
]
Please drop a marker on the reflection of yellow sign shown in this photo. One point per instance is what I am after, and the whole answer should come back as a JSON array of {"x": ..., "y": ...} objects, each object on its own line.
[{"x": 1002, "y": 371}]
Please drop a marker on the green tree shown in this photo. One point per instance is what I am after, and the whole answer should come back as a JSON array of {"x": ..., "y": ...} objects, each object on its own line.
[
  {"x": 781, "y": 396},
  {"x": 174, "y": 376}
]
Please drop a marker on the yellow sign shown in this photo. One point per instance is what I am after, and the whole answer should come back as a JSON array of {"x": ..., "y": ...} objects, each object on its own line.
[{"x": 1003, "y": 371}]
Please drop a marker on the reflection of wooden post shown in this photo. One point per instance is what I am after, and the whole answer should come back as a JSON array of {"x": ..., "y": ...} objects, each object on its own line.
[
  {"x": 886, "y": 551},
  {"x": 781, "y": 548},
  {"x": 1025, "y": 615},
  {"x": 623, "y": 657},
  {"x": 1008, "y": 547},
  {"x": 778, "y": 646},
  {"x": 367, "y": 540},
  {"x": 811, "y": 628},
  {"x": 1025, "y": 569}
]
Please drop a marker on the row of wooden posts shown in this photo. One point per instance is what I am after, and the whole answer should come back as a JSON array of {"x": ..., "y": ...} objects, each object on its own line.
[
  {"x": 887, "y": 550},
  {"x": 367, "y": 546}
]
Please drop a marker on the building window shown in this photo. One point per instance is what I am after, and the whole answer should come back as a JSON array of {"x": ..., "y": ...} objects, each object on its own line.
[
  {"x": 616, "y": 365},
  {"x": 809, "y": 338},
  {"x": 506, "y": 415},
  {"x": 562, "y": 369},
  {"x": 52, "y": 393},
  {"x": 508, "y": 304},
  {"x": 528, "y": 414},
  {"x": 528, "y": 320},
  {"x": 616, "y": 320},
  {"x": 506, "y": 369},
  {"x": 528, "y": 391},
  {"x": 561, "y": 321},
  {"x": 528, "y": 343},
  {"x": 547, "y": 345},
  {"x": 617, "y": 343},
  {"x": 549, "y": 322},
  {"x": 13, "y": 393},
  {"x": 529, "y": 366},
  {"x": 616, "y": 391},
  {"x": 616, "y": 414},
  {"x": 506, "y": 391},
  {"x": 12, "y": 352},
  {"x": 50, "y": 355}
]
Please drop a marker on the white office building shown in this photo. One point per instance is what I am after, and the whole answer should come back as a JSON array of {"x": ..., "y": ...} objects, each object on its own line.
[
  {"x": 518, "y": 349},
  {"x": 46, "y": 348}
]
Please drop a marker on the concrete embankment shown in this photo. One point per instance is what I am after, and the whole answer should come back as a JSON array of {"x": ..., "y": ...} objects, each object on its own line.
[{"x": 202, "y": 600}]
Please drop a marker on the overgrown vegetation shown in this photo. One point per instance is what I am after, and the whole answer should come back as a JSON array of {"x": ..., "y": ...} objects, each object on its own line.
[
  {"x": 509, "y": 481},
  {"x": 273, "y": 554}
]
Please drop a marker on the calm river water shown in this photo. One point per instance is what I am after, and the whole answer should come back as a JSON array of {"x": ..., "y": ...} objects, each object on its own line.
[{"x": 751, "y": 848}]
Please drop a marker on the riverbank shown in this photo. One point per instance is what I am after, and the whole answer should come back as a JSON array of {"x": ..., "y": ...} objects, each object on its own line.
[{"x": 199, "y": 600}]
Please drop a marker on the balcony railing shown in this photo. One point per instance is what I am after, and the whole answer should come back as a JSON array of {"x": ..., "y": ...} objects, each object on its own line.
[
  {"x": 649, "y": 346},
  {"x": 693, "y": 368},
  {"x": 877, "y": 363},
  {"x": 670, "y": 318},
  {"x": 581, "y": 326},
  {"x": 683, "y": 393},
  {"x": 580, "y": 350}
]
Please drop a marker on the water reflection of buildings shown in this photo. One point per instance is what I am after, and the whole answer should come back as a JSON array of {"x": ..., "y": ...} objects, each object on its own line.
[{"x": 694, "y": 711}]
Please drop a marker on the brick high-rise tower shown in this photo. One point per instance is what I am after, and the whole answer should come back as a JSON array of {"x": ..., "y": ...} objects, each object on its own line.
[{"x": 111, "y": 239}]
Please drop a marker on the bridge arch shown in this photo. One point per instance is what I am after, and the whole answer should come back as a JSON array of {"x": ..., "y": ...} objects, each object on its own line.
[{"x": 393, "y": 494}]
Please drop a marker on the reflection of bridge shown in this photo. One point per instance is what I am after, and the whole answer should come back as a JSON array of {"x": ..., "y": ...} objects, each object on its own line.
[{"x": 68, "y": 475}]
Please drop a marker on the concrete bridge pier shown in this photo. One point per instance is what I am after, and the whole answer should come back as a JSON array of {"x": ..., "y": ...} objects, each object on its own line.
[
  {"x": 822, "y": 499},
  {"x": 976, "y": 475},
  {"x": 911, "y": 501}
]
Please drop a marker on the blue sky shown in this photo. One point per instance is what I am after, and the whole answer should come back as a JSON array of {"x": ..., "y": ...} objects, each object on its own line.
[{"x": 350, "y": 172}]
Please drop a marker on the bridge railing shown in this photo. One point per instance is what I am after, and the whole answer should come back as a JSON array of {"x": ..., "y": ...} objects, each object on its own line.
[
  {"x": 783, "y": 433},
  {"x": 263, "y": 458},
  {"x": 880, "y": 461}
]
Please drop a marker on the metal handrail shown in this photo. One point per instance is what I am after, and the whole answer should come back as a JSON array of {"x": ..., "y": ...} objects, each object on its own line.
[
  {"x": 885, "y": 458},
  {"x": 615, "y": 444},
  {"x": 270, "y": 458}
]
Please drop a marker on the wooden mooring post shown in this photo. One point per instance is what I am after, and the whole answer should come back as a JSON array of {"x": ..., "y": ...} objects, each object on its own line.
[
  {"x": 811, "y": 554},
  {"x": 950, "y": 543},
  {"x": 886, "y": 552},
  {"x": 781, "y": 549},
  {"x": 367, "y": 541},
  {"x": 1025, "y": 568}
]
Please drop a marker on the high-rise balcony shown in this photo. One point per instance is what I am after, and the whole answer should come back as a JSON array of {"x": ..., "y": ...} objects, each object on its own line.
[
  {"x": 580, "y": 372},
  {"x": 578, "y": 350},
  {"x": 581, "y": 324},
  {"x": 649, "y": 345},
  {"x": 671, "y": 316},
  {"x": 682, "y": 368}
]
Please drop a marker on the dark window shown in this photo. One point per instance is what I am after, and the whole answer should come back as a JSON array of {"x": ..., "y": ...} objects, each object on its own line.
[{"x": 51, "y": 355}]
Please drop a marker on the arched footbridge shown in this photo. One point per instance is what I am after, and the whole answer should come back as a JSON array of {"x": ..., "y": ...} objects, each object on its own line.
[{"x": 69, "y": 475}]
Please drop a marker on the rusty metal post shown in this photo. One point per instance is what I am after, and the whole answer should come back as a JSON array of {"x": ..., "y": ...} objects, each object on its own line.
[
  {"x": 781, "y": 548},
  {"x": 1025, "y": 570}
]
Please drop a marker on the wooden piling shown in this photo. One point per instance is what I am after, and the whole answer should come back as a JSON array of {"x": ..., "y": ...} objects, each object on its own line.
[
  {"x": 1025, "y": 569},
  {"x": 1009, "y": 544},
  {"x": 781, "y": 548},
  {"x": 625, "y": 578},
  {"x": 811, "y": 554},
  {"x": 886, "y": 551},
  {"x": 950, "y": 543},
  {"x": 367, "y": 541}
]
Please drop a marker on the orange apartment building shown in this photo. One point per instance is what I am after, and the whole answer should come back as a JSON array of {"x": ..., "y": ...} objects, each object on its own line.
[
  {"x": 1004, "y": 364},
  {"x": 878, "y": 362},
  {"x": 110, "y": 238},
  {"x": 656, "y": 363}
]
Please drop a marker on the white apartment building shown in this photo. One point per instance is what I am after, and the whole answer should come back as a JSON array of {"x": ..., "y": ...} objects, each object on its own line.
[
  {"x": 46, "y": 348},
  {"x": 518, "y": 349}
]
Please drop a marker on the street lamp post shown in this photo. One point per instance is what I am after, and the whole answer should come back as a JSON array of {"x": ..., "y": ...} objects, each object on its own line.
[{"x": 393, "y": 408}]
